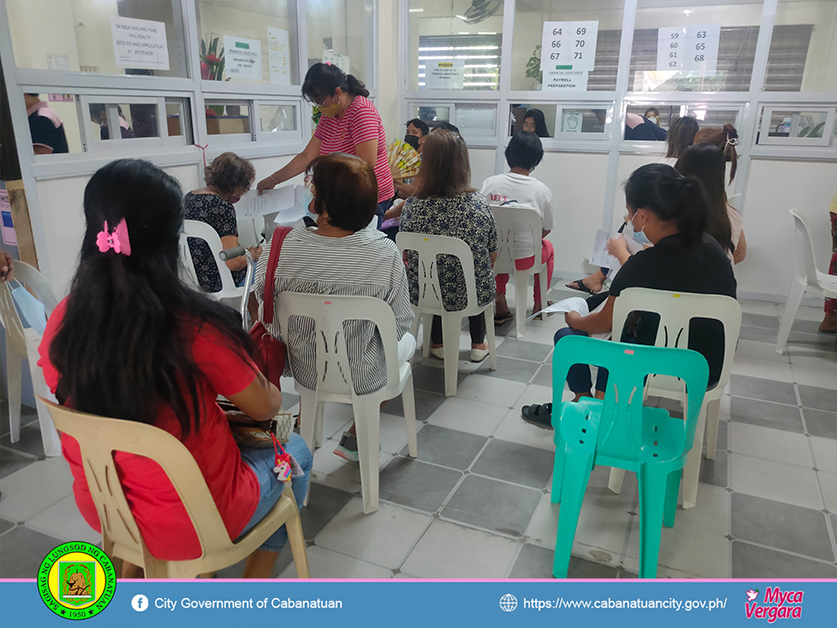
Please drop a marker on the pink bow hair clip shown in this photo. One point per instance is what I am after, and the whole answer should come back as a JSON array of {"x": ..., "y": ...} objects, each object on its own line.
[{"x": 116, "y": 239}]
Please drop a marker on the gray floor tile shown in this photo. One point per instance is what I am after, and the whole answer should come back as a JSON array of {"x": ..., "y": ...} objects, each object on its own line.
[
  {"x": 624, "y": 573},
  {"x": 783, "y": 526},
  {"x": 510, "y": 368},
  {"x": 536, "y": 562},
  {"x": 6, "y": 525},
  {"x": 450, "y": 448},
  {"x": 766, "y": 414},
  {"x": 493, "y": 505},
  {"x": 22, "y": 550},
  {"x": 821, "y": 423},
  {"x": 759, "y": 334},
  {"x": 818, "y": 398},
  {"x": 30, "y": 441},
  {"x": 751, "y": 561},
  {"x": 715, "y": 471},
  {"x": 27, "y": 417},
  {"x": 760, "y": 320},
  {"x": 763, "y": 389},
  {"x": 819, "y": 343},
  {"x": 544, "y": 376},
  {"x": 412, "y": 483},
  {"x": 11, "y": 461},
  {"x": 516, "y": 463},
  {"x": 432, "y": 379},
  {"x": 723, "y": 441},
  {"x": 325, "y": 502},
  {"x": 808, "y": 327},
  {"x": 426, "y": 404},
  {"x": 523, "y": 350}
]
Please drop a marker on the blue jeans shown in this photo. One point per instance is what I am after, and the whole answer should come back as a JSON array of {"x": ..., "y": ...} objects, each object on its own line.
[
  {"x": 261, "y": 461},
  {"x": 383, "y": 206}
]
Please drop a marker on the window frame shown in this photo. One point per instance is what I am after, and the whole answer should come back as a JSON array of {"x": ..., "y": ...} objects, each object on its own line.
[{"x": 766, "y": 114}]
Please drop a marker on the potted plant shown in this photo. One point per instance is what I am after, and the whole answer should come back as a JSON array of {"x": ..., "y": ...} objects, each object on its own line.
[
  {"x": 212, "y": 62},
  {"x": 533, "y": 66}
]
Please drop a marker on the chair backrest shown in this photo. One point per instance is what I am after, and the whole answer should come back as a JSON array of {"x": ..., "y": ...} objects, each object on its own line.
[
  {"x": 428, "y": 248},
  {"x": 329, "y": 312},
  {"x": 205, "y": 232},
  {"x": 676, "y": 310},
  {"x": 627, "y": 366},
  {"x": 99, "y": 438},
  {"x": 805, "y": 256},
  {"x": 9, "y": 317},
  {"x": 511, "y": 219},
  {"x": 186, "y": 266}
]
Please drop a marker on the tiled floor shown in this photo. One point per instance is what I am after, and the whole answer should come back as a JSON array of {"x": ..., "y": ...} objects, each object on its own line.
[{"x": 476, "y": 502}]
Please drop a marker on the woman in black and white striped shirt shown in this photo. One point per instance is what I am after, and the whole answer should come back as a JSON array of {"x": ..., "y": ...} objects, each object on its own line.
[{"x": 342, "y": 257}]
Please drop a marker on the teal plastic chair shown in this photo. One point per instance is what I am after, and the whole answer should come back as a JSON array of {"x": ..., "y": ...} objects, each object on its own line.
[{"x": 620, "y": 432}]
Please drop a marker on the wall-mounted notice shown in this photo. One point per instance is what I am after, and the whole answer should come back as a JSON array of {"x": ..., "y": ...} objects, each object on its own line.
[
  {"x": 568, "y": 53},
  {"x": 341, "y": 61},
  {"x": 60, "y": 98},
  {"x": 572, "y": 120},
  {"x": 243, "y": 58},
  {"x": 449, "y": 74},
  {"x": 139, "y": 43},
  {"x": 688, "y": 49},
  {"x": 279, "y": 56}
]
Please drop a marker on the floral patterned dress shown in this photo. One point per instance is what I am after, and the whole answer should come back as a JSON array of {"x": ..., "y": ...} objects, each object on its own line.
[
  {"x": 220, "y": 215},
  {"x": 467, "y": 217}
]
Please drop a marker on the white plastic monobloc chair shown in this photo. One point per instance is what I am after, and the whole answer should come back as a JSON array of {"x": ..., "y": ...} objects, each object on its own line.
[
  {"x": 509, "y": 219},
  {"x": 676, "y": 309},
  {"x": 22, "y": 343},
  {"x": 428, "y": 247},
  {"x": 808, "y": 279},
  {"x": 334, "y": 376}
]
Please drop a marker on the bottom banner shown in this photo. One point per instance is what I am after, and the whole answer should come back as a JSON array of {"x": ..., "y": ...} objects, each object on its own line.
[{"x": 81, "y": 591}]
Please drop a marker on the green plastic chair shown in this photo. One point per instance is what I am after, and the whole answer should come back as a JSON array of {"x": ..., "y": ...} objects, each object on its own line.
[{"x": 620, "y": 432}]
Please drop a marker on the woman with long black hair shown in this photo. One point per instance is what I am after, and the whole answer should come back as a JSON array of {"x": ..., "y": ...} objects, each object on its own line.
[{"x": 133, "y": 342}]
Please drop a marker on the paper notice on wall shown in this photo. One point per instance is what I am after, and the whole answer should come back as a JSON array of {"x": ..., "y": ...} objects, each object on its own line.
[
  {"x": 569, "y": 46},
  {"x": 243, "y": 58},
  {"x": 7, "y": 225},
  {"x": 565, "y": 80},
  {"x": 333, "y": 58},
  {"x": 139, "y": 43},
  {"x": 60, "y": 98},
  {"x": 691, "y": 50},
  {"x": 447, "y": 74},
  {"x": 572, "y": 121},
  {"x": 279, "y": 56}
]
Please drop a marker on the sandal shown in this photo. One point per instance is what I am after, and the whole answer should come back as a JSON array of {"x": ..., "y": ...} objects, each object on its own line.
[
  {"x": 538, "y": 414},
  {"x": 542, "y": 317},
  {"x": 499, "y": 319},
  {"x": 578, "y": 284}
]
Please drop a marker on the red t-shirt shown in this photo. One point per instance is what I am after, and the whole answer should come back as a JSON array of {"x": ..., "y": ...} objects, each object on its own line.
[
  {"x": 160, "y": 515},
  {"x": 360, "y": 123}
]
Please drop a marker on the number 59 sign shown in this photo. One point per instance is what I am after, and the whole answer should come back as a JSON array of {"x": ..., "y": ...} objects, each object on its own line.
[
  {"x": 688, "y": 49},
  {"x": 569, "y": 46}
]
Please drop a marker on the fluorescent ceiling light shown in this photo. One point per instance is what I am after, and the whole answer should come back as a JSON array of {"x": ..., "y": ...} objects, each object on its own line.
[{"x": 416, "y": 10}]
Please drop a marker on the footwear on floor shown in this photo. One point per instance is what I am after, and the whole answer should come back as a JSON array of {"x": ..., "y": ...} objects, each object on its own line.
[
  {"x": 478, "y": 355},
  {"x": 347, "y": 449},
  {"x": 578, "y": 284},
  {"x": 438, "y": 352},
  {"x": 539, "y": 414},
  {"x": 499, "y": 319},
  {"x": 542, "y": 317}
]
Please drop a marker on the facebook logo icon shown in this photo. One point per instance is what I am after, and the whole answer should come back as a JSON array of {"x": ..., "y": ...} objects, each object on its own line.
[{"x": 139, "y": 603}]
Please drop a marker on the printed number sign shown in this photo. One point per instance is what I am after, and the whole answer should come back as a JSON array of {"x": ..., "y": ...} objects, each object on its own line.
[
  {"x": 692, "y": 49},
  {"x": 568, "y": 53}
]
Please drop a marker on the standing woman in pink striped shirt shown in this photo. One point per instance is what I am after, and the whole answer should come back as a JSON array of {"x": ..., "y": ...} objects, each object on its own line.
[{"x": 349, "y": 124}]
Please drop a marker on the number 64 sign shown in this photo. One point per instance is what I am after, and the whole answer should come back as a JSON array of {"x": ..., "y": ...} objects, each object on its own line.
[{"x": 569, "y": 46}]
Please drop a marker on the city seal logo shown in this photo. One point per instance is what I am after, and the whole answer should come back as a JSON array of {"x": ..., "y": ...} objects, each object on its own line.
[{"x": 76, "y": 580}]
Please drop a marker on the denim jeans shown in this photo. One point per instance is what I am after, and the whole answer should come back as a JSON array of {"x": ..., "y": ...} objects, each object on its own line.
[
  {"x": 383, "y": 207},
  {"x": 261, "y": 461}
]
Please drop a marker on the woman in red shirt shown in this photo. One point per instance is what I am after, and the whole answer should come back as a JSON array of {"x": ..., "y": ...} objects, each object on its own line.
[
  {"x": 132, "y": 342},
  {"x": 349, "y": 124}
]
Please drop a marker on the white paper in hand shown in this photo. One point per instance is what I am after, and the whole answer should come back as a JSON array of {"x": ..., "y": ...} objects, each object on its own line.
[
  {"x": 600, "y": 257},
  {"x": 573, "y": 304}
]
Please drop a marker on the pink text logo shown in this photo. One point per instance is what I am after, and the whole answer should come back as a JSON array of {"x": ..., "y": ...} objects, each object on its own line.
[{"x": 777, "y": 604}]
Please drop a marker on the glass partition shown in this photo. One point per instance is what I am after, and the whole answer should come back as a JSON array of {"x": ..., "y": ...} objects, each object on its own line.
[{"x": 342, "y": 32}]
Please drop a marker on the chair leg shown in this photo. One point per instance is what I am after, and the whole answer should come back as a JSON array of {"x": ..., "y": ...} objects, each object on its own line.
[
  {"x": 672, "y": 491},
  {"x": 307, "y": 415},
  {"x": 713, "y": 418},
  {"x": 521, "y": 287},
  {"x": 491, "y": 338},
  {"x": 795, "y": 295},
  {"x": 408, "y": 398},
  {"x": 558, "y": 467},
  {"x": 576, "y": 476},
  {"x": 368, "y": 425},
  {"x": 297, "y": 541},
  {"x": 425, "y": 341},
  {"x": 14, "y": 376},
  {"x": 691, "y": 475},
  {"x": 450, "y": 337},
  {"x": 617, "y": 476},
  {"x": 652, "y": 496}
]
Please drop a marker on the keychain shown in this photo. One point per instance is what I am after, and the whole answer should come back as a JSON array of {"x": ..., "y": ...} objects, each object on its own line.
[{"x": 283, "y": 462}]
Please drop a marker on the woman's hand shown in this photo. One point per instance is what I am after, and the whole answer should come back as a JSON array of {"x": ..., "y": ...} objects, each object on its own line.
[
  {"x": 617, "y": 247},
  {"x": 7, "y": 270},
  {"x": 255, "y": 251},
  {"x": 572, "y": 318},
  {"x": 265, "y": 184}
]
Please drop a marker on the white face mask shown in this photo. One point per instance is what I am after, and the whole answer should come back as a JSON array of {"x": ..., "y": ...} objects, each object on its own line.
[{"x": 638, "y": 236}]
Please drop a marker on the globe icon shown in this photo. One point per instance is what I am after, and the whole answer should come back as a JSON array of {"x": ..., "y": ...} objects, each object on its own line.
[{"x": 508, "y": 602}]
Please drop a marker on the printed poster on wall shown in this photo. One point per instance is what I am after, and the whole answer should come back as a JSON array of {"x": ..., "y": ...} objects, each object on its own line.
[
  {"x": 448, "y": 74},
  {"x": 139, "y": 43},
  {"x": 691, "y": 49},
  {"x": 243, "y": 58},
  {"x": 341, "y": 61},
  {"x": 568, "y": 53},
  {"x": 279, "y": 56}
]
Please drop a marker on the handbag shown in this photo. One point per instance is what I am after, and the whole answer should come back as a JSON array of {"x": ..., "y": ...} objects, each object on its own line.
[
  {"x": 249, "y": 434},
  {"x": 271, "y": 352}
]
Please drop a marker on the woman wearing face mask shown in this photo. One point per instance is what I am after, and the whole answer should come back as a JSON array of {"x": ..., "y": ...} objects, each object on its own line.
[{"x": 349, "y": 124}]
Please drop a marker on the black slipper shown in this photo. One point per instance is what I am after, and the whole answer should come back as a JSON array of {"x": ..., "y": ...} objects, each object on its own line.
[
  {"x": 538, "y": 414},
  {"x": 500, "y": 319},
  {"x": 578, "y": 284}
]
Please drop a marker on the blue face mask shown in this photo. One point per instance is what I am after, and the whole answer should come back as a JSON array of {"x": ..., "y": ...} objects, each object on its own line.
[
  {"x": 32, "y": 312},
  {"x": 638, "y": 236},
  {"x": 307, "y": 199}
]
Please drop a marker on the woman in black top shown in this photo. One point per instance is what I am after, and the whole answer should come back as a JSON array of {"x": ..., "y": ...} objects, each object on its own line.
[
  {"x": 671, "y": 210},
  {"x": 228, "y": 177}
]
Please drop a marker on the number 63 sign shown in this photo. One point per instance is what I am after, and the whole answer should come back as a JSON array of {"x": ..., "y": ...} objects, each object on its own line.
[{"x": 688, "y": 49}]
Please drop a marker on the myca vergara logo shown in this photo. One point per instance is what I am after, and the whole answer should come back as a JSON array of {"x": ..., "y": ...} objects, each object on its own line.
[
  {"x": 777, "y": 604},
  {"x": 76, "y": 580}
]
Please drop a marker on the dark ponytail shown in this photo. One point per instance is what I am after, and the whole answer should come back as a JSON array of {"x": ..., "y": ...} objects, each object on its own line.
[
  {"x": 124, "y": 347},
  {"x": 671, "y": 197},
  {"x": 705, "y": 162},
  {"x": 323, "y": 79}
]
